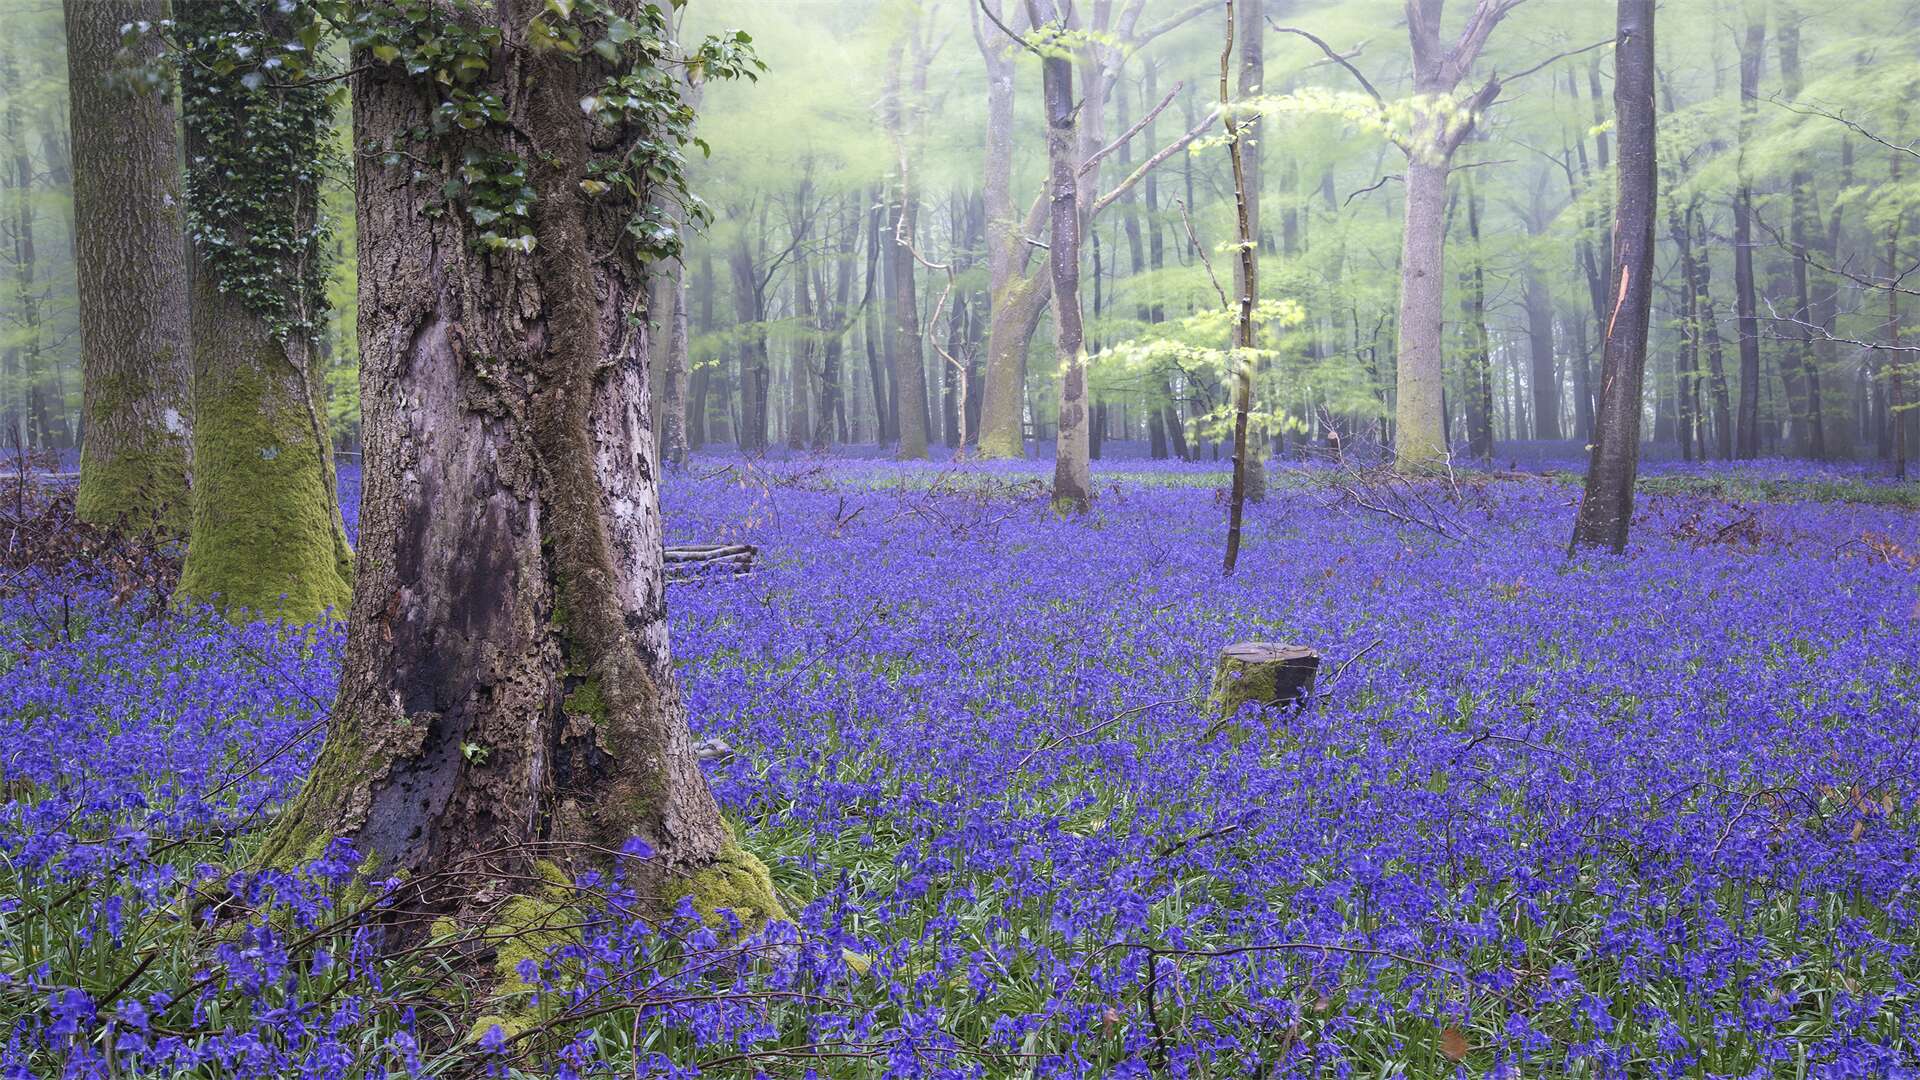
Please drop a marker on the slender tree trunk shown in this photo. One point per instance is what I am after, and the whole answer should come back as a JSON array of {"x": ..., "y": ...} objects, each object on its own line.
[
  {"x": 506, "y": 691},
  {"x": 131, "y": 269},
  {"x": 673, "y": 411},
  {"x": 1246, "y": 278},
  {"x": 1896, "y": 380},
  {"x": 1606, "y": 510},
  {"x": 1420, "y": 440},
  {"x": 1072, "y": 473},
  {"x": 909, "y": 361},
  {"x": 755, "y": 380},
  {"x": 267, "y": 536},
  {"x": 834, "y": 324},
  {"x": 1752, "y": 54},
  {"x": 1809, "y": 427},
  {"x": 1479, "y": 366},
  {"x": 1252, "y": 81},
  {"x": 1723, "y": 427}
]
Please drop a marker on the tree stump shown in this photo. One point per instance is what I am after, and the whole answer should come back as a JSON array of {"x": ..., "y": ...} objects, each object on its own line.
[{"x": 1264, "y": 673}]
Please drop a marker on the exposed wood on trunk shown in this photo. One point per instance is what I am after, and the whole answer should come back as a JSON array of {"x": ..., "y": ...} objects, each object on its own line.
[{"x": 1606, "y": 510}]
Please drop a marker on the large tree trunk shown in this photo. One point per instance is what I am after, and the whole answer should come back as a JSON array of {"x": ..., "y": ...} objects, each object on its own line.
[
  {"x": 1752, "y": 46},
  {"x": 267, "y": 536},
  {"x": 1606, "y": 510},
  {"x": 506, "y": 693},
  {"x": 131, "y": 268}
]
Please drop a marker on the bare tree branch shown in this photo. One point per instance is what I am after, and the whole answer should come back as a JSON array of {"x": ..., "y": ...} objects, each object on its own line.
[
  {"x": 1153, "y": 162},
  {"x": 1017, "y": 39},
  {"x": 1850, "y": 125},
  {"x": 1202, "y": 252},
  {"x": 1556, "y": 58},
  {"x": 1375, "y": 186},
  {"x": 1335, "y": 57},
  {"x": 1126, "y": 136}
]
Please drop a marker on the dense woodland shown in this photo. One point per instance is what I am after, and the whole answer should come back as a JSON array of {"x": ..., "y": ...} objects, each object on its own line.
[
  {"x": 873, "y": 195},
  {"x": 958, "y": 538}
]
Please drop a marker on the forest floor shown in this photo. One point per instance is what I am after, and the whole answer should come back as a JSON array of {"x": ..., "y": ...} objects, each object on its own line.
[{"x": 1653, "y": 815}]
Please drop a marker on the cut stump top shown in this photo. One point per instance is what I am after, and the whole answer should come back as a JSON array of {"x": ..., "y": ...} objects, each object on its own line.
[{"x": 1267, "y": 652}]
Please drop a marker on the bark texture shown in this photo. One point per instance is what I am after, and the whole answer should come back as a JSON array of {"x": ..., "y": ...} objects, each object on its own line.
[
  {"x": 1606, "y": 510},
  {"x": 1072, "y": 469},
  {"x": 131, "y": 268},
  {"x": 506, "y": 693}
]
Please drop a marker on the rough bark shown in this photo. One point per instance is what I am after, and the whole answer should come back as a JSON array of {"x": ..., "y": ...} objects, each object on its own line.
[
  {"x": 506, "y": 692},
  {"x": 131, "y": 268},
  {"x": 1606, "y": 510}
]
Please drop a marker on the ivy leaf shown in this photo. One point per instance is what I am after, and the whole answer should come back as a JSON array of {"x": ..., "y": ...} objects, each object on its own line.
[
  {"x": 562, "y": 8},
  {"x": 483, "y": 216}
]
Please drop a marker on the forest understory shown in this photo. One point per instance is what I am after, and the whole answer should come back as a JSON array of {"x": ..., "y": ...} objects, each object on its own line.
[{"x": 1609, "y": 816}]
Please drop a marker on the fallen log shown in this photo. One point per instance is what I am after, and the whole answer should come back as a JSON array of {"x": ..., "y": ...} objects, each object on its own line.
[{"x": 701, "y": 562}]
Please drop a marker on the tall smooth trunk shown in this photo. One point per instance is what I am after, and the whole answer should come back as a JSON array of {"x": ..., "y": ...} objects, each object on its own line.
[
  {"x": 131, "y": 270},
  {"x": 1745, "y": 303},
  {"x": 1420, "y": 440}
]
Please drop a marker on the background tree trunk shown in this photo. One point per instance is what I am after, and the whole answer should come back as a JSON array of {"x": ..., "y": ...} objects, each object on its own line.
[
  {"x": 267, "y": 536},
  {"x": 1752, "y": 55},
  {"x": 131, "y": 269}
]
